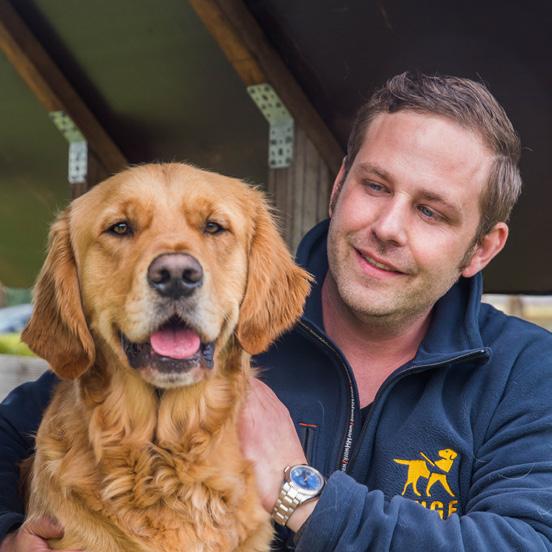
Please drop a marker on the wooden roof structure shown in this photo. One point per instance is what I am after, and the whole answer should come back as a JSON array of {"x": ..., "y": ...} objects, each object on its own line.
[{"x": 150, "y": 80}]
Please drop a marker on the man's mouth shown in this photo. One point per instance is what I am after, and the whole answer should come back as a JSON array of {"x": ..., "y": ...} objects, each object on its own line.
[
  {"x": 378, "y": 264},
  {"x": 174, "y": 347}
]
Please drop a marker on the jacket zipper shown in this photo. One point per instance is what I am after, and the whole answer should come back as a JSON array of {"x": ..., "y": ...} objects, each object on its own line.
[
  {"x": 347, "y": 440},
  {"x": 471, "y": 355}
]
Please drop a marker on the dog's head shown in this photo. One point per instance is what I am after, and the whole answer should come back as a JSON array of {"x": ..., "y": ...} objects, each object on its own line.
[
  {"x": 448, "y": 454},
  {"x": 159, "y": 267}
]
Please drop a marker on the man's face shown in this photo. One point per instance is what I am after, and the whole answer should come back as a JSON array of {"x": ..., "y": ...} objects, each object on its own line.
[{"x": 406, "y": 215}]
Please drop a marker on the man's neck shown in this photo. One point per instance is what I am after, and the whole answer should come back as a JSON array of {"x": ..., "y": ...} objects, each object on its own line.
[{"x": 373, "y": 347}]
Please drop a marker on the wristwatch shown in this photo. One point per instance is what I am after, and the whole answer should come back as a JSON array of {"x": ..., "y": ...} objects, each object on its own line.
[{"x": 301, "y": 484}]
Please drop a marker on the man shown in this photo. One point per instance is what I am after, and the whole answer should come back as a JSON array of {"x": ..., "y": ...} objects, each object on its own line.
[
  {"x": 429, "y": 414},
  {"x": 451, "y": 447}
]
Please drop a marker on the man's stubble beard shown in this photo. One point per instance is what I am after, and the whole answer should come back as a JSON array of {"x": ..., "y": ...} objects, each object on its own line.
[
  {"x": 396, "y": 312},
  {"x": 404, "y": 306}
]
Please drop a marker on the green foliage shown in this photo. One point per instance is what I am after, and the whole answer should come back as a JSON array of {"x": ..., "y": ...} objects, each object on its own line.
[{"x": 11, "y": 344}]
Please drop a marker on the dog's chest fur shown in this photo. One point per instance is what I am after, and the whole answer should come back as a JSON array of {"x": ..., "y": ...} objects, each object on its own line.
[{"x": 152, "y": 484}]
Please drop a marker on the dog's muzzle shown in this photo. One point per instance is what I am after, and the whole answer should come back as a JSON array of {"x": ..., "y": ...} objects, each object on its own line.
[{"x": 173, "y": 348}]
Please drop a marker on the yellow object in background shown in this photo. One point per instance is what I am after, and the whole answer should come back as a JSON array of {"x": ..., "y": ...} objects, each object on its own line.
[{"x": 11, "y": 344}]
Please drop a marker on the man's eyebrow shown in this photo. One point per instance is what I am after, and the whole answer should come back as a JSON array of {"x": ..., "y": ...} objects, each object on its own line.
[
  {"x": 372, "y": 168},
  {"x": 426, "y": 195}
]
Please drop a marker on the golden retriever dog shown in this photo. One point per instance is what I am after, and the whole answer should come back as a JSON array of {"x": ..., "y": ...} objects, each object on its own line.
[{"x": 158, "y": 285}]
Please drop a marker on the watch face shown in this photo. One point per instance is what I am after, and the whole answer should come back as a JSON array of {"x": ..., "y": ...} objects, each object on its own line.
[{"x": 306, "y": 478}]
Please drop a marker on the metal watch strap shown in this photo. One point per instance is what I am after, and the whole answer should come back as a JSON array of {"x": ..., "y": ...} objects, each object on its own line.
[{"x": 288, "y": 500}]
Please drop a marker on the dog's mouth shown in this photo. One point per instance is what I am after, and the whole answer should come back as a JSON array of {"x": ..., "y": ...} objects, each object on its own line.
[{"x": 174, "y": 348}]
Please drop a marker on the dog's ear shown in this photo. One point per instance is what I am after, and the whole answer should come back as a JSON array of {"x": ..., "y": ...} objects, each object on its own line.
[
  {"x": 276, "y": 287},
  {"x": 57, "y": 330}
]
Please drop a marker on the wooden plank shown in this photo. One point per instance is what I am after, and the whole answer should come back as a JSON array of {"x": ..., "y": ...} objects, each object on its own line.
[
  {"x": 300, "y": 193},
  {"x": 311, "y": 193},
  {"x": 52, "y": 89},
  {"x": 324, "y": 188},
  {"x": 244, "y": 44},
  {"x": 297, "y": 186}
]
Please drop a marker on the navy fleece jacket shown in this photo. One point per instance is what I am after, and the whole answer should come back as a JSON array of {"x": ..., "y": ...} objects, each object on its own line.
[{"x": 456, "y": 450}]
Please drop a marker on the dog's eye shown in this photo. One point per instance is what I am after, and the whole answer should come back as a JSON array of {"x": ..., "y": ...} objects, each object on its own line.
[
  {"x": 120, "y": 229},
  {"x": 212, "y": 227}
]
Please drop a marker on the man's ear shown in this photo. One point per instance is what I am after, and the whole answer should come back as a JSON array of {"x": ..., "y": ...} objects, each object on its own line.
[
  {"x": 57, "y": 330},
  {"x": 487, "y": 249},
  {"x": 276, "y": 287},
  {"x": 336, "y": 188}
]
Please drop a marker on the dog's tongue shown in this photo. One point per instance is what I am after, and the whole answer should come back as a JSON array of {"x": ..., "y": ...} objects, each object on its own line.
[{"x": 176, "y": 343}]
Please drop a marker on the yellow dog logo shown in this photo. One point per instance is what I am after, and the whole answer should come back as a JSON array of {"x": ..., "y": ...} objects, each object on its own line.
[{"x": 433, "y": 471}]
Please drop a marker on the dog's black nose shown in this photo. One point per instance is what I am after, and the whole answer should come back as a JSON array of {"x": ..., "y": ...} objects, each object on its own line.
[{"x": 175, "y": 275}]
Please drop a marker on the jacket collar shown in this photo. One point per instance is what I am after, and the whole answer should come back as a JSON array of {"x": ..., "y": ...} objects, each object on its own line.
[{"x": 454, "y": 328}]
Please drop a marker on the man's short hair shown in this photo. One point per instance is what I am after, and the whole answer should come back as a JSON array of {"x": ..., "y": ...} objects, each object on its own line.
[{"x": 469, "y": 104}]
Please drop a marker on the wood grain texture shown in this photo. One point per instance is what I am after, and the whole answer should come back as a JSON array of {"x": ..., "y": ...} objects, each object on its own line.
[{"x": 301, "y": 192}]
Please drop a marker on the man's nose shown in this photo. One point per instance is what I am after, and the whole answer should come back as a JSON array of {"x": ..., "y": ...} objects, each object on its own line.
[
  {"x": 175, "y": 275},
  {"x": 391, "y": 223}
]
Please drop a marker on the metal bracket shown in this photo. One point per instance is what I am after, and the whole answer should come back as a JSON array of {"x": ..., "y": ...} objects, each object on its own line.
[
  {"x": 280, "y": 145},
  {"x": 78, "y": 148}
]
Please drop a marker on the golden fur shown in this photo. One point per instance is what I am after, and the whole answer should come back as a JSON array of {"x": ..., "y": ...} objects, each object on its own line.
[{"x": 123, "y": 464}]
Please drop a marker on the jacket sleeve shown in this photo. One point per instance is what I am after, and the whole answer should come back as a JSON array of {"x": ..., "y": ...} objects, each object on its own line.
[
  {"x": 20, "y": 415},
  {"x": 509, "y": 504}
]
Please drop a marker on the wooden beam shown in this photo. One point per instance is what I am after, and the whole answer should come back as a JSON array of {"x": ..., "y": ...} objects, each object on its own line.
[
  {"x": 256, "y": 61},
  {"x": 52, "y": 89},
  {"x": 301, "y": 192}
]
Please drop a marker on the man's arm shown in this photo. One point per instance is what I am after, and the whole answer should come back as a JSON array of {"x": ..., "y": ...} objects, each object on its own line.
[
  {"x": 20, "y": 415},
  {"x": 270, "y": 441},
  {"x": 509, "y": 507}
]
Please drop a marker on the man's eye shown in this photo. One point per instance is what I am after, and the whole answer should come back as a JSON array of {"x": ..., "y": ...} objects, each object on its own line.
[
  {"x": 212, "y": 227},
  {"x": 427, "y": 212},
  {"x": 374, "y": 186},
  {"x": 121, "y": 228}
]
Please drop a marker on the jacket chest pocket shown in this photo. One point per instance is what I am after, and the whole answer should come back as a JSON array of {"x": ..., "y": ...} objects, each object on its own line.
[{"x": 308, "y": 435}]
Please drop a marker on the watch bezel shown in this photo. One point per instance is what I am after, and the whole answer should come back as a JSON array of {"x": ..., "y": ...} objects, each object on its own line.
[
  {"x": 302, "y": 490},
  {"x": 292, "y": 495}
]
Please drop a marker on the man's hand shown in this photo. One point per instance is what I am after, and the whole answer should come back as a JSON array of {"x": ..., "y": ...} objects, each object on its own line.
[
  {"x": 270, "y": 441},
  {"x": 30, "y": 537}
]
